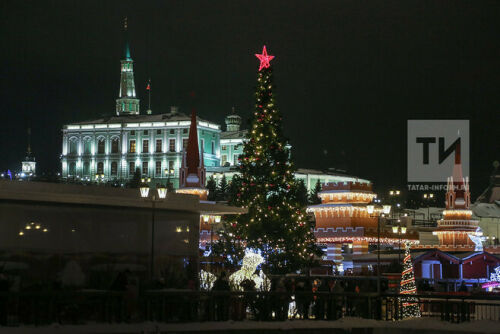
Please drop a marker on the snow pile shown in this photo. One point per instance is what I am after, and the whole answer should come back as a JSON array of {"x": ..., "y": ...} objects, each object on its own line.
[{"x": 413, "y": 326}]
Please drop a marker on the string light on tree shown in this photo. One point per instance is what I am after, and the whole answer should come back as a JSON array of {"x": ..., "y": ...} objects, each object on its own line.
[
  {"x": 276, "y": 224},
  {"x": 409, "y": 305}
]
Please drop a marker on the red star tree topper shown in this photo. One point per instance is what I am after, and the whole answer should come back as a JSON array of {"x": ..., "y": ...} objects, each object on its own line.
[{"x": 264, "y": 59}]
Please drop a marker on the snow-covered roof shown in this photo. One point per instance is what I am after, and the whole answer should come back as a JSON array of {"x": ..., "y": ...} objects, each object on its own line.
[{"x": 486, "y": 210}]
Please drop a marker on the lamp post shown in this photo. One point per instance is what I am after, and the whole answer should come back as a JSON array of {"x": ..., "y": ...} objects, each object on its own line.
[
  {"x": 394, "y": 194},
  {"x": 162, "y": 193},
  {"x": 428, "y": 198},
  {"x": 386, "y": 209},
  {"x": 399, "y": 230}
]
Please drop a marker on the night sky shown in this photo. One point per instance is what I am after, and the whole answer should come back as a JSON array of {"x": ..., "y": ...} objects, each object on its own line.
[{"x": 348, "y": 74}]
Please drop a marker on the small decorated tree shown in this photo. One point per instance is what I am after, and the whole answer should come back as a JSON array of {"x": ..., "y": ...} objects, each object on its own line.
[{"x": 409, "y": 305}]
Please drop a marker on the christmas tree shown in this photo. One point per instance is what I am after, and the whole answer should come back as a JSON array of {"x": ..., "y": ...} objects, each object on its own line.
[
  {"x": 212, "y": 188},
  {"x": 222, "y": 189},
  {"x": 314, "y": 198},
  {"x": 276, "y": 225},
  {"x": 409, "y": 305}
]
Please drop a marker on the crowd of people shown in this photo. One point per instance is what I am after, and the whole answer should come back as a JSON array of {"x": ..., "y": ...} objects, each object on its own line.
[{"x": 293, "y": 298}]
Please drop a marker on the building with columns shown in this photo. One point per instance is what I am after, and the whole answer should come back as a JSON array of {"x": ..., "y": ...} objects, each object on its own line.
[
  {"x": 113, "y": 148},
  {"x": 232, "y": 140}
]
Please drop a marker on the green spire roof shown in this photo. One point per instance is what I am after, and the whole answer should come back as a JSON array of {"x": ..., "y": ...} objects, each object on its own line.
[{"x": 126, "y": 49}]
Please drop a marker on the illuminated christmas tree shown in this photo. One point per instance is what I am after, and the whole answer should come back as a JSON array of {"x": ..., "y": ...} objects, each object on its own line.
[
  {"x": 409, "y": 305},
  {"x": 276, "y": 225}
]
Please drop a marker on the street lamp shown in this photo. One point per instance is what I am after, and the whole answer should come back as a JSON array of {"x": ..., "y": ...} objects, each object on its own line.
[
  {"x": 428, "y": 198},
  {"x": 386, "y": 209},
  {"x": 393, "y": 194},
  {"x": 399, "y": 230},
  {"x": 162, "y": 193}
]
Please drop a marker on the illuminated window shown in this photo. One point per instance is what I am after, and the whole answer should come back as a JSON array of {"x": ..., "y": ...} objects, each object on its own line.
[
  {"x": 131, "y": 167},
  {"x": 114, "y": 168},
  {"x": 87, "y": 147},
  {"x": 86, "y": 168},
  {"x": 145, "y": 168},
  {"x": 158, "y": 145},
  {"x": 184, "y": 143},
  {"x": 100, "y": 168},
  {"x": 158, "y": 168},
  {"x": 72, "y": 169},
  {"x": 73, "y": 147},
  {"x": 131, "y": 148},
  {"x": 224, "y": 148},
  {"x": 171, "y": 167},
  {"x": 223, "y": 160},
  {"x": 171, "y": 145},
  {"x": 145, "y": 146},
  {"x": 114, "y": 145},
  {"x": 100, "y": 146}
]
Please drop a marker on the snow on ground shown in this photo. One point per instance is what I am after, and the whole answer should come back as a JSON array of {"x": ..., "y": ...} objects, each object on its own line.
[{"x": 412, "y": 326}]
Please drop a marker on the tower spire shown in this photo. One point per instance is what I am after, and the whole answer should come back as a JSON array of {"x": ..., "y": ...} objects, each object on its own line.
[
  {"x": 127, "y": 103},
  {"x": 192, "y": 172},
  {"x": 29, "y": 143},
  {"x": 28, "y": 166}
]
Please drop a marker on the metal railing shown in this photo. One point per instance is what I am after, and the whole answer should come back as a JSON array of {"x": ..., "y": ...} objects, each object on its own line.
[{"x": 78, "y": 307}]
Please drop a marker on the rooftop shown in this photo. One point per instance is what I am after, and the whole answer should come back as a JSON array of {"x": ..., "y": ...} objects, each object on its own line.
[
  {"x": 70, "y": 194},
  {"x": 241, "y": 134},
  {"x": 155, "y": 118}
]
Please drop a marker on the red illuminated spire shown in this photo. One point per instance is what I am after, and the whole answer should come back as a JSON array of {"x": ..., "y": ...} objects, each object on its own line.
[
  {"x": 193, "y": 154},
  {"x": 264, "y": 59}
]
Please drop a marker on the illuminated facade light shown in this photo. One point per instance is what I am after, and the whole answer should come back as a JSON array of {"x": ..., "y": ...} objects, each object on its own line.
[
  {"x": 162, "y": 192},
  {"x": 217, "y": 219},
  {"x": 386, "y": 209},
  {"x": 144, "y": 191}
]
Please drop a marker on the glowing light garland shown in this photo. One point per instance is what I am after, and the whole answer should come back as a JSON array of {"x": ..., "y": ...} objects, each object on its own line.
[
  {"x": 250, "y": 263},
  {"x": 410, "y": 305},
  {"x": 264, "y": 59},
  {"x": 494, "y": 280},
  {"x": 207, "y": 280}
]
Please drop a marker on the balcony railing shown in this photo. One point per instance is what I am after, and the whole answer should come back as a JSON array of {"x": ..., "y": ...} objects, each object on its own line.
[{"x": 80, "y": 307}]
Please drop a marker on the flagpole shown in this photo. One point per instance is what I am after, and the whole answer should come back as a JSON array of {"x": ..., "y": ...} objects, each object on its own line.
[{"x": 149, "y": 95}]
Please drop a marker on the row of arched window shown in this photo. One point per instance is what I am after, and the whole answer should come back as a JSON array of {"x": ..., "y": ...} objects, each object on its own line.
[
  {"x": 87, "y": 146},
  {"x": 86, "y": 168}
]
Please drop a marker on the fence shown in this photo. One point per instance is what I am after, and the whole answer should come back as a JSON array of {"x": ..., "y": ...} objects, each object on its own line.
[{"x": 78, "y": 307}]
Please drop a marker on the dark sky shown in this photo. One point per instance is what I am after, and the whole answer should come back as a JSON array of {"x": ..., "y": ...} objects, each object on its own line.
[{"x": 349, "y": 74}]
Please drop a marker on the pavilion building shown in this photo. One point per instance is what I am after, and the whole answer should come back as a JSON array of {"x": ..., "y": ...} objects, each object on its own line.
[
  {"x": 344, "y": 217},
  {"x": 457, "y": 230}
]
